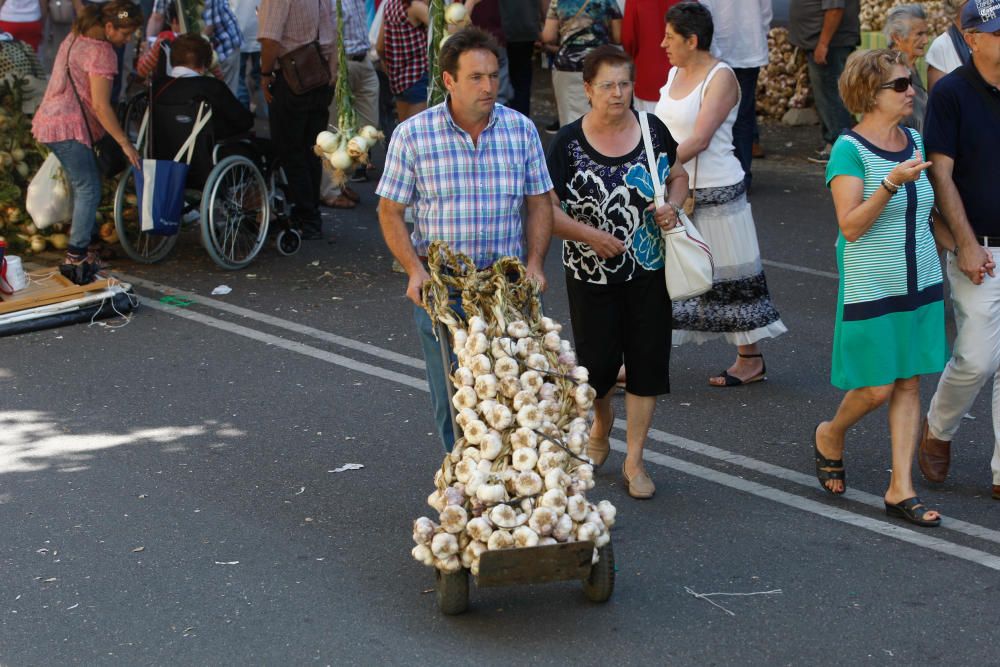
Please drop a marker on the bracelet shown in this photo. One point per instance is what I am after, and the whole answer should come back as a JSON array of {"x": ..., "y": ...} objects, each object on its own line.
[{"x": 889, "y": 186}]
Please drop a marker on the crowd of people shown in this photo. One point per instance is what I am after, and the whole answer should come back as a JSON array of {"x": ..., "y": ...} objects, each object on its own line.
[{"x": 910, "y": 168}]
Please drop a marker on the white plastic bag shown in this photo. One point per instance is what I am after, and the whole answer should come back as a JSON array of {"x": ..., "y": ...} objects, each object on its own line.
[{"x": 49, "y": 199}]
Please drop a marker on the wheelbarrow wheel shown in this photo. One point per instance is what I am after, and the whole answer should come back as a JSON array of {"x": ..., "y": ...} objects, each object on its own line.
[
  {"x": 453, "y": 591},
  {"x": 601, "y": 582}
]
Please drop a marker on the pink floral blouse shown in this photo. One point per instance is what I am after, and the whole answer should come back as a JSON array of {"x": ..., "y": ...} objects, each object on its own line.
[{"x": 60, "y": 117}]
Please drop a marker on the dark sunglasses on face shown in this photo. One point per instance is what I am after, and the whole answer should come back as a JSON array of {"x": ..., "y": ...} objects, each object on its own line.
[{"x": 899, "y": 85}]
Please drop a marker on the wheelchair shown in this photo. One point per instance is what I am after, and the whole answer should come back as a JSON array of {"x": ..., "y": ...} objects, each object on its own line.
[{"x": 235, "y": 190}]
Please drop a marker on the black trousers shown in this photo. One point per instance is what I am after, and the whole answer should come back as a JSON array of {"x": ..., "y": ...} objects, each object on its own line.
[
  {"x": 295, "y": 121},
  {"x": 520, "y": 66}
]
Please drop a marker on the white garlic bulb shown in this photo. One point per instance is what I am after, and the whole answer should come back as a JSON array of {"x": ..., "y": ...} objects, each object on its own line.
[
  {"x": 523, "y": 437},
  {"x": 584, "y": 396},
  {"x": 567, "y": 359},
  {"x": 509, "y": 386},
  {"x": 579, "y": 425},
  {"x": 528, "y": 483},
  {"x": 475, "y": 430},
  {"x": 501, "y": 347},
  {"x": 584, "y": 472},
  {"x": 506, "y": 367},
  {"x": 490, "y": 445},
  {"x": 491, "y": 493},
  {"x": 480, "y": 364},
  {"x": 543, "y": 520},
  {"x": 529, "y": 417},
  {"x": 550, "y": 341},
  {"x": 486, "y": 386},
  {"x": 500, "y": 417},
  {"x": 423, "y": 530},
  {"x": 525, "y": 537},
  {"x": 463, "y": 377},
  {"x": 485, "y": 465},
  {"x": 576, "y": 442},
  {"x": 549, "y": 461},
  {"x": 524, "y": 459},
  {"x": 532, "y": 381},
  {"x": 500, "y": 539},
  {"x": 477, "y": 479},
  {"x": 576, "y": 507},
  {"x": 450, "y": 564},
  {"x": 556, "y": 500},
  {"x": 472, "y": 552},
  {"x": 437, "y": 500},
  {"x": 464, "y": 416},
  {"x": 550, "y": 325},
  {"x": 607, "y": 512},
  {"x": 580, "y": 374},
  {"x": 547, "y": 392},
  {"x": 477, "y": 324},
  {"x": 459, "y": 337},
  {"x": 518, "y": 329},
  {"x": 523, "y": 398},
  {"x": 423, "y": 554},
  {"x": 477, "y": 343},
  {"x": 587, "y": 532},
  {"x": 537, "y": 362},
  {"x": 455, "y": 495},
  {"x": 594, "y": 517},
  {"x": 465, "y": 397},
  {"x": 602, "y": 539},
  {"x": 479, "y": 528},
  {"x": 464, "y": 470},
  {"x": 444, "y": 545},
  {"x": 454, "y": 518},
  {"x": 550, "y": 410},
  {"x": 547, "y": 541},
  {"x": 563, "y": 529},
  {"x": 557, "y": 479}
]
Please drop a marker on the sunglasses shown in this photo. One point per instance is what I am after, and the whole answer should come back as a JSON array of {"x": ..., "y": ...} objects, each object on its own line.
[{"x": 898, "y": 85}]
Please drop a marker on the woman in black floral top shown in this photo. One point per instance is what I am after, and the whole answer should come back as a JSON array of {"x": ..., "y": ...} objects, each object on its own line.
[{"x": 613, "y": 251}]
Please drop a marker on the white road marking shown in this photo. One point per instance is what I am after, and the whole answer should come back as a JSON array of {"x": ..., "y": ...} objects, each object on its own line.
[
  {"x": 799, "y": 269},
  {"x": 891, "y": 530}
]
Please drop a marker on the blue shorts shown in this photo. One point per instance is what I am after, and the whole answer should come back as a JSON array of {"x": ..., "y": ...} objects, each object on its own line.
[{"x": 416, "y": 93}]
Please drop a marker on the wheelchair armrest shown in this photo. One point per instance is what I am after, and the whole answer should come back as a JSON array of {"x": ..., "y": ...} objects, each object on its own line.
[{"x": 242, "y": 138}]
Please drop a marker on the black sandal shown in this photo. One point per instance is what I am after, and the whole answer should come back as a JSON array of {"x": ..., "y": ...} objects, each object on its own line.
[
  {"x": 912, "y": 510},
  {"x": 733, "y": 381},
  {"x": 822, "y": 462}
]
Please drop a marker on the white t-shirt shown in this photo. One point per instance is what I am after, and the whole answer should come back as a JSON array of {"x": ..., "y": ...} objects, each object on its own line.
[
  {"x": 21, "y": 11},
  {"x": 942, "y": 54},
  {"x": 246, "y": 17},
  {"x": 741, "y": 28}
]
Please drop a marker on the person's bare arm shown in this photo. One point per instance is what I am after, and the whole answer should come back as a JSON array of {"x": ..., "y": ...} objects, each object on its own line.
[
  {"x": 269, "y": 50},
  {"x": 615, "y": 35},
  {"x": 942, "y": 235},
  {"x": 855, "y": 214},
  {"x": 721, "y": 95},
  {"x": 831, "y": 21},
  {"x": 933, "y": 76},
  {"x": 418, "y": 14},
  {"x": 973, "y": 259},
  {"x": 550, "y": 31},
  {"x": 537, "y": 235},
  {"x": 100, "y": 93},
  {"x": 397, "y": 238},
  {"x": 605, "y": 245}
]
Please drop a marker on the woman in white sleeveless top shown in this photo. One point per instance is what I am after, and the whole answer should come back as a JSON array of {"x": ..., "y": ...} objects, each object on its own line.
[{"x": 699, "y": 104}]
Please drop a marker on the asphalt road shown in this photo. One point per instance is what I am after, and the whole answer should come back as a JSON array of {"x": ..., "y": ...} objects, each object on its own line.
[{"x": 168, "y": 494}]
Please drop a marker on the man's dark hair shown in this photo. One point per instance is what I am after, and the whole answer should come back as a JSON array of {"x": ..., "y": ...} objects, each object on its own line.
[
  {"x": 606, "y": 54},
  {"x": 466, "y": 39},
  {"x": 190, "y": 50},
  {"x": 692, "y": 18}
]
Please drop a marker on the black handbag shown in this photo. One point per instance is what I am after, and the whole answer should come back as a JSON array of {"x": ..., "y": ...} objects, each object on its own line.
[{"x": 110, "y": 157}]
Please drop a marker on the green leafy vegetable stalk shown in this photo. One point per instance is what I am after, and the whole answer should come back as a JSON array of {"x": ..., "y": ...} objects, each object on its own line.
[
  {"x": 347, "y": 119},
  {"x": 436, "y": 31}
]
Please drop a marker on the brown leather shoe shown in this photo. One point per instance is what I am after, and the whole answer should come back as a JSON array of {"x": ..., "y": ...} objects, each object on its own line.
[
  {"x": 996, "y": 492},
  {"x": 640, "y": 486},
  {"x": 933, "y": 456},
  {"x": 599, "y": 448}
]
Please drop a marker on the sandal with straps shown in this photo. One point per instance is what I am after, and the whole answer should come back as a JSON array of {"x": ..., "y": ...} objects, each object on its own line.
[
  {"x": 733, "y": 381},
  {"x": 828, "y": 469},
  {"x": 912, "y": 510}
]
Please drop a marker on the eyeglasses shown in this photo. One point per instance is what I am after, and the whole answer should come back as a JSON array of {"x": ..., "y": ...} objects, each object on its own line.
[
  {"x": 898, "y": 85},
  {"x": 607, "y": 86}
]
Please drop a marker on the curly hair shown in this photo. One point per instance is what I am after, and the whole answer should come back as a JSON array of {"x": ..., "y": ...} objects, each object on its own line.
[{"x": 864, "y": 72}]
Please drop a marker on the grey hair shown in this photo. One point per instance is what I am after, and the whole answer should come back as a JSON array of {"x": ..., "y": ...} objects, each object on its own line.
[
  {"x": 952, "y": 8},
  {"x": 897, "y": 21}
]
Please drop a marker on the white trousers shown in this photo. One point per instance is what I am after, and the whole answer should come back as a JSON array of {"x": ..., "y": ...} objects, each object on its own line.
[
  {"x": 363, "y": 81},
  {"x": 571, "y": 99},
  {"x": 975, "y": 357}
]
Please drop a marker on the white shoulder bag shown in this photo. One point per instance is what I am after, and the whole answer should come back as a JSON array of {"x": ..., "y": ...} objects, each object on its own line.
[{"x": 687, "y": 257}]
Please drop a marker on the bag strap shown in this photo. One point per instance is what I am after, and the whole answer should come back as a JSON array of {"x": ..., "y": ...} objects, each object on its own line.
[
  {"x": 976, "y": 81},
  {"x": 583, "y": 8},
  {"x": 701, "y": 98},
  {"x": 69, "y": 75},
  {"x": 958, "y": 43},
  {"x": 188, "y": 146},
  {"x": 647, "y": 140}
]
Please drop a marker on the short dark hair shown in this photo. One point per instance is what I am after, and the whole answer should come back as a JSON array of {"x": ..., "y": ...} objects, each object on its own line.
[
  {"x": 190, "y": 50},
  {"x": 606, "y": 55},
  {"x": 466, "y": 39},
  {"x": 692, "y": 18}
]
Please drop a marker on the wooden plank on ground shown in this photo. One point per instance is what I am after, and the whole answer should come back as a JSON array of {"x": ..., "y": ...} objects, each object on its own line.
[
  {"x": 44, "y": 288},
  {"x": 555, "y": 562}
]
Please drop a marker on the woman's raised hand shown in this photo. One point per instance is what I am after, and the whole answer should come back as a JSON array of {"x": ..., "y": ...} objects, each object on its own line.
[
  {"x": 909, "y": 170},
  {"x": 604, "y": 244}
]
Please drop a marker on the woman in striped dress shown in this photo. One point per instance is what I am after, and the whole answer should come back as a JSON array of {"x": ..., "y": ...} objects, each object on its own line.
[{"x": 890, "y": 309}]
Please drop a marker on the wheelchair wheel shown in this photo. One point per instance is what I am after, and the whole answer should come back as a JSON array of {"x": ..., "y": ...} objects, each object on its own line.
[
  {"x": 132, "y": 117},
  {"x": 288, "y": 241},
  {"x": 234, "y": 212},
  {"x": 137, "y": 244}
]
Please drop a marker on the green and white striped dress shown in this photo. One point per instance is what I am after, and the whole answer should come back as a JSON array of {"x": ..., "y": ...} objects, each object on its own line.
[{"x": 890, "y": 305}]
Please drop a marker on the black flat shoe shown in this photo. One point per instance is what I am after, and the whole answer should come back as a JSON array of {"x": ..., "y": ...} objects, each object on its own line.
[
  {"x": 822, "y": 462},
  {"x": 912, "y": 510},
  {"x": 733, "y": 381}
]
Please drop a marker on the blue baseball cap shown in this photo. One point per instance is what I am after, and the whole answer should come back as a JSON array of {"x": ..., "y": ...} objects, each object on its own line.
[{"x": 981, "y": 15}]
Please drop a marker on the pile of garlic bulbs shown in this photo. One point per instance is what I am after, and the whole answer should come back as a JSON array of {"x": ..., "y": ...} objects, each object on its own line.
[
  {"x": 518, "y": 475},
  {"x": 784, "y": 82}
]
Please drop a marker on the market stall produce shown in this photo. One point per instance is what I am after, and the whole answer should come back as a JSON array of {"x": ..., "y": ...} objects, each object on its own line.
[{"x": 517, "y": 477}]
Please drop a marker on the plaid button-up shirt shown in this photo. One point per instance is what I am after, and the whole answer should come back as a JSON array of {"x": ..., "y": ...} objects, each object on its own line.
[
  {"x": 226, "y": 35},
  {"x": 466, "y": 195},
  {"x": 355, "y": 26}
]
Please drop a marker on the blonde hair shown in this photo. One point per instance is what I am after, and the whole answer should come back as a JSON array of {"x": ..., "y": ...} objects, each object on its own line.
[
  {"x": 864, "y": 72},
  {"x": 119, "y": 13}
]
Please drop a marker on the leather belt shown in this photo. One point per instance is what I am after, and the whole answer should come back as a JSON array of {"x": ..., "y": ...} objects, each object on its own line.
[{"x": 358, "y": 57}]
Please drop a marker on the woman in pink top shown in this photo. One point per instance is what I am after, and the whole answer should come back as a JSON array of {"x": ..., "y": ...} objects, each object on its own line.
[{"x": 66, "y": 123}]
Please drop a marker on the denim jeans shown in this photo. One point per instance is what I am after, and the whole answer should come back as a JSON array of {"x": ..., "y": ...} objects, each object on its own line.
[
  {"x": 833, "y": 115},
  {"x": 436, "y": 378},
  {"x": 745, "y": 126},
  {"x": 80, "y": 165}
]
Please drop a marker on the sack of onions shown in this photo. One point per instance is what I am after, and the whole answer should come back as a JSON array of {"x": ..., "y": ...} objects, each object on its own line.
[{"x": 518, "y": 475}]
